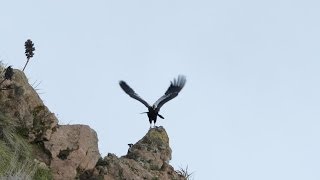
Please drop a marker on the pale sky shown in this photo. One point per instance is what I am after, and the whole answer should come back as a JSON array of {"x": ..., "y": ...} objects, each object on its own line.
[{"x": 249, "y": 110}]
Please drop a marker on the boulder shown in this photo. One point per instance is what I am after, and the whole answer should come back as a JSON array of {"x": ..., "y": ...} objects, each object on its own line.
[{"x": 73, "y": 149}]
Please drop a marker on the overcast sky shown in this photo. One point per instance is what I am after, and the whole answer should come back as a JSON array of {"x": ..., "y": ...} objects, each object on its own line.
[{"x": 249, "y": 110}]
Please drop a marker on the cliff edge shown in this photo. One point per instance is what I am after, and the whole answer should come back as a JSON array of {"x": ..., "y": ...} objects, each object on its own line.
[
  {"x": 71, "y": 151},
  {"x": 147, "y": 159}
]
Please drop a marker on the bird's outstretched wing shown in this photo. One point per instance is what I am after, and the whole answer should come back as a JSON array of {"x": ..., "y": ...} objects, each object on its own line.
[
  {"x": 131, "y": 93},
  {"x": 173, "y": 91}
]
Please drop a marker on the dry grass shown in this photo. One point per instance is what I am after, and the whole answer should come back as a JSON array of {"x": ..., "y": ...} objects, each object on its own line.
[
  {"x": 17, "y": 162},
  {"x": 185, "y": 173}
]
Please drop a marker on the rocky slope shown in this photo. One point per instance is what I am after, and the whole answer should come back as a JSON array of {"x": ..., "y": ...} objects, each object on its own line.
[
  {"x": 71, "y": 151},
  {"x": 147, "y": 159}
]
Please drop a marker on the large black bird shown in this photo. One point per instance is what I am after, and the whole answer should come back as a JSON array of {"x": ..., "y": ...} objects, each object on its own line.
[
  {"x": 8, "y": 73},
  {"x": 153, "y": 111}
]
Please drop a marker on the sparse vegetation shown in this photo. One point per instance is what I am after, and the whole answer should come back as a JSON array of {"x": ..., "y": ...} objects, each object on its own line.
[
  {"x": 43, "y": 174},
  {"x": 17, "y": 160},
  {"x": 2, "y": 68},
  {"x": 185, "y": 173}
]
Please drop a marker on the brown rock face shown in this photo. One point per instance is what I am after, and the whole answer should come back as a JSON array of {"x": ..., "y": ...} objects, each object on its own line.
[
  {"x": 73, "y": 148},
  {"x": 152, "y": 150},
  {"x": 147, "y": 159},
  {"x": 67, "y": 150},
  {"x": 71, "y": 151},
  {"x": 22, "y": 105}
]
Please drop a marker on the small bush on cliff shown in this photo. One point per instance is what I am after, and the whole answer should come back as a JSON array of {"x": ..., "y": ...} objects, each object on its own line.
[
  {"x": 185, "y": 173},
  {"x": 43, "y": 174}
]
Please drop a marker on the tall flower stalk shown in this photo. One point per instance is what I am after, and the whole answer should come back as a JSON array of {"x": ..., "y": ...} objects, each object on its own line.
[{"x": 29, "y": 46}]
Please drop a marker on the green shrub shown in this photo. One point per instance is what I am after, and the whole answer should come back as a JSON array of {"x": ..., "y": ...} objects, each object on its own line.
[{"x": 43, "y": 174}]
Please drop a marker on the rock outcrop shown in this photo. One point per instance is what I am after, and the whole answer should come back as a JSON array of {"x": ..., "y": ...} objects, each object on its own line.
[
  {"x": 22, "y": 104},
  {"x": 71, "y": 151},
  {"x": 147, "y": 159},
  {"x": 67, "y": 149}
]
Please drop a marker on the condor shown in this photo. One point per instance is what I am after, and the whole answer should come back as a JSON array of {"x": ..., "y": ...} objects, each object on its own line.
[{"x": 153, "y": 111}]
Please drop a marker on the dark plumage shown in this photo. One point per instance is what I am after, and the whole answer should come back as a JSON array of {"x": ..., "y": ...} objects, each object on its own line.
[
  {"x": 153, "y": 111},
  {"x": 8, "y": 73}
]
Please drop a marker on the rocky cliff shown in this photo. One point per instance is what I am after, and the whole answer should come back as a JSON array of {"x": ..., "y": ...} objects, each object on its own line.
[
  {"x": 71, "y": 151},
  {"x": 147, "y": 159}
]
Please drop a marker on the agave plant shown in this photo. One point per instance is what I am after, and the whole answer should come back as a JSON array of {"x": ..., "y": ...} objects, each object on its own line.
[{"x": 29, "y": 46}]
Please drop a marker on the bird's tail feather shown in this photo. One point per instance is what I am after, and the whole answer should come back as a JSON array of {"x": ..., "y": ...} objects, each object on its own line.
[{"x": 160, "y": 116}]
